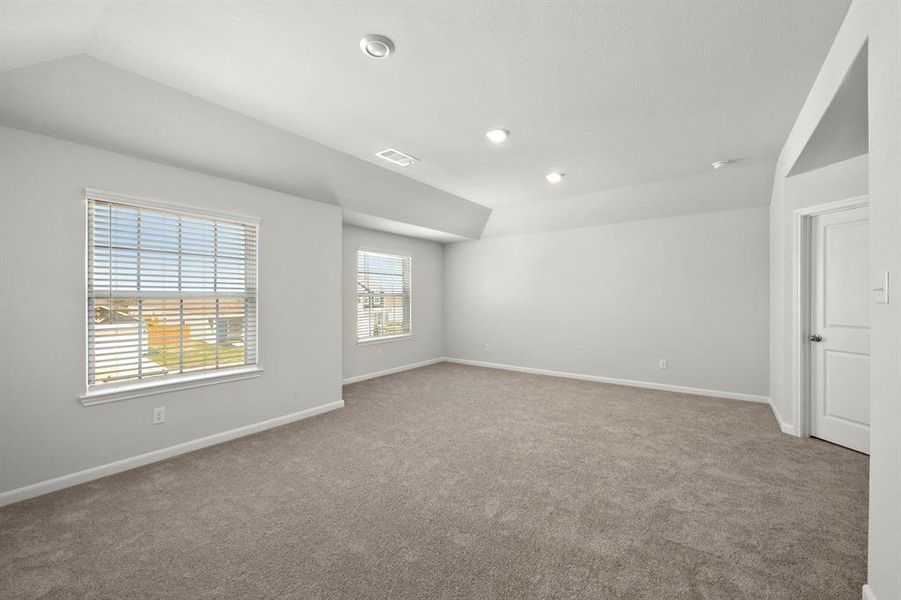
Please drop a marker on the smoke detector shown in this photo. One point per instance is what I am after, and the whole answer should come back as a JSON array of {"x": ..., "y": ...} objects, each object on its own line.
[
  {"x": 376, "y": 46},
  {"x": 397, "y": 157}
]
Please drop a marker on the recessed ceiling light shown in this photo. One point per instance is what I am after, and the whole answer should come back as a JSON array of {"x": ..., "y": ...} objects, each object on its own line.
[
  {"x": 554, "y": 177},
  {"x": 497, "y": 135},
  {"x": 376, "y": 46},
  {"x": 721, "y": 163}
]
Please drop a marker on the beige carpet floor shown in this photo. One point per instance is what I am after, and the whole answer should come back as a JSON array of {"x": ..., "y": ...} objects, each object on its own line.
[{"x": 460, "y": 482}]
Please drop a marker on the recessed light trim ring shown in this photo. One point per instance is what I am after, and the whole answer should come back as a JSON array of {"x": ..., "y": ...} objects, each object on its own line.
[{"x": 377, "y": 46}]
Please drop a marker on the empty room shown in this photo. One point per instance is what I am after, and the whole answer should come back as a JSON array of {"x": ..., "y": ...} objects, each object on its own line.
[{"x": 450, "y": 299}]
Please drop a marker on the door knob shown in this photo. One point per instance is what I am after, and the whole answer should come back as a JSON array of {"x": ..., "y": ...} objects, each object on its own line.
[{"x": 816, "y": 338}]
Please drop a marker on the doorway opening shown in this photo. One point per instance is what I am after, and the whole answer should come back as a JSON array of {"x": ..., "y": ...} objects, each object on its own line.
[{"x": 832, "y": 330}]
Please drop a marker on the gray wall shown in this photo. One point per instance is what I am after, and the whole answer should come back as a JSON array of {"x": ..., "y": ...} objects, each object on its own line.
[
  {"x": 876, "y": 25},
  {"x": 44, "y": 430},
  {"x": 884, "y": 43},
  {"x": 427, "y": 340},
  {"x": 610, "y": 301}
]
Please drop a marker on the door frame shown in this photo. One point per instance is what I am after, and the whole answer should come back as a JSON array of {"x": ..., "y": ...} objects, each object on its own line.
[{"x": 802, "y": 254}]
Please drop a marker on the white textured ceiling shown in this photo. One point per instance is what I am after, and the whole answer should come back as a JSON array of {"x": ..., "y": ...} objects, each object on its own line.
[
  {"x": 33, "y": 31},
  {"x": 612, "y": 93}
]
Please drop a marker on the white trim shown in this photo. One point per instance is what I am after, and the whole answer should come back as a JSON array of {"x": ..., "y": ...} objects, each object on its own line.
[
  {"x": 375, "y": 374},
  {"x": 783, "y": 426},
  {"x": 152, "y": 203},
  {"x": 868, "y": 592},
  {"x": 390, "y": 253},
  {"x": 103, "y": 395},
  {"x": 616, "y": 381},
  {"x": 65, "y": 481},
  {"x": 384, "y": 338},
  {"x": 114, "y": 393},
  {"x": 800, "y": 323}
]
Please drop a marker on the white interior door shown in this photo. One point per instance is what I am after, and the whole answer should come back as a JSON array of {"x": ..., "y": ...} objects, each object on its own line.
[{"x": 840, "y": 328}]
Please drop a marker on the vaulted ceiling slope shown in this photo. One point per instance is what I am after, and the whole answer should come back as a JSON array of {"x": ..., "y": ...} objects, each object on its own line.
[
  {"x": 614, "y": 94},
  {"x": 842, "y": 133},
  {"x": 85, "y": 100}
]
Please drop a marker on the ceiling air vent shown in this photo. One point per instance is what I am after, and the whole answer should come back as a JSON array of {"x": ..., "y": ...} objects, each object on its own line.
[{"x": 397, "y": 157}]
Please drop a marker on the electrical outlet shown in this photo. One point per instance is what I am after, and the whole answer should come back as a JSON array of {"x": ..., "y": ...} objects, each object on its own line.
[
  {"x": 662, "y": 363},
  {"x": 159, "y": 415},
  {"x": 487, "y": 347},
  {"x": 378, "y": 352}
]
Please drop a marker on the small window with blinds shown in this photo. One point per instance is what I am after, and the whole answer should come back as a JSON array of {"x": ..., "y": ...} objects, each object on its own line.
[
  {"x": 384, "y": 291},
  {"x": 171, "y": 295}
]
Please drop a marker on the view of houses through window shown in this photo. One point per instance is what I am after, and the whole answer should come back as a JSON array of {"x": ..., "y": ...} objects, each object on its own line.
[
  {"x": 168, "y": 293},
  {"x": 384, "y": 283}
]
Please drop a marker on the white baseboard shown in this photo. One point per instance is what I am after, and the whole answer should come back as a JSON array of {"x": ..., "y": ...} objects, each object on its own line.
[
  {"x": 785, "y": 427},
  {"x": 628, "y": 382},
  {"x": 868, "y": 593},
  {"x": 375, "y": 374},
  {"x": 64, "y": 481}
]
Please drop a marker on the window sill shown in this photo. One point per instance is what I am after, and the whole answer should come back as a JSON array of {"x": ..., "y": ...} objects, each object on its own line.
[
  {"x": 383, "y": 339},
  {"x": 125, "y": 392}
]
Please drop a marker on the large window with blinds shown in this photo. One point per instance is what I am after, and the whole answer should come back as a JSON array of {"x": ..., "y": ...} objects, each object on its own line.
[
  {"x": 171, "y": 295},
  {"x": 384, "y": 293}
]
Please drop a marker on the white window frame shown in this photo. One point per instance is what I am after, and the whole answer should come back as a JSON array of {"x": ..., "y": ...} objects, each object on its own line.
[
  {"x": 383, "y": 338},
  {"x": 123, "y": 391}
]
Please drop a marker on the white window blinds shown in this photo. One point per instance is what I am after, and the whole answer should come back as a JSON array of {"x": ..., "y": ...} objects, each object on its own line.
[
  {"x": 169, "y": 293},
  {"x": 384, "y": 283}
]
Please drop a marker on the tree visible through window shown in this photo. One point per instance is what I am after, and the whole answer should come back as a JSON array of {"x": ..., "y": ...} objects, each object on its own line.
[
  {"x": 168, "y": 293},
  {"x": 384, "y": 284}
]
